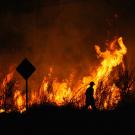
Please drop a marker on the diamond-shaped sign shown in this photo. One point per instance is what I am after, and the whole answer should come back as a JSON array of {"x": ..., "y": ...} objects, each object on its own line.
[{"x": 26, "y": 69}]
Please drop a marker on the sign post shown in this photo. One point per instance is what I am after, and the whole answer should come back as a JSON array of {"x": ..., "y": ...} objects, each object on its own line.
[
  {"x": 27, "y": 101},
  {"x": 26, "y": 69}
]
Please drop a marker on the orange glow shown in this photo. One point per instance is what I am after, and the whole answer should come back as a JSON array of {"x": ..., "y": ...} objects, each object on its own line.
[
  {"x": 19, "y": 101},
  {"x": 52, "y": 90},
  {"x": 61, "y": 92}
]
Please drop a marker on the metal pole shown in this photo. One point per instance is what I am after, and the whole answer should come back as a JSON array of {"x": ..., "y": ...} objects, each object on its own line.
[{"x": 27, "y": 104}]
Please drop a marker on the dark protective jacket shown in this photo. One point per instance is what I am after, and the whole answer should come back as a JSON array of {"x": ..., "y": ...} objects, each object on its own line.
[{"x": 89, "y": 95}]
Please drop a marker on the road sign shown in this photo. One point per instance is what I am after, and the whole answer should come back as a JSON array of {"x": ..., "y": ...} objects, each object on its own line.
[{"x": 26, "y": 69}]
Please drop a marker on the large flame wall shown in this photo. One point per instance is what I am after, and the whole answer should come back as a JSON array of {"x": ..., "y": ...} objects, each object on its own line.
[{"x": 66, "y": 91}]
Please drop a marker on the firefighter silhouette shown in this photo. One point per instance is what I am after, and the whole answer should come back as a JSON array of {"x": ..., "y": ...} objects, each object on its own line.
[{"x": 89, "y": 97}]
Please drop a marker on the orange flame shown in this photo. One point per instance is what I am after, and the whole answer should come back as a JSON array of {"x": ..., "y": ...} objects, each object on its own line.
[
  {"x": 19, "y": 101},
  {"x": 111, "y": 58},
  {"x": 63, "y": 92}
]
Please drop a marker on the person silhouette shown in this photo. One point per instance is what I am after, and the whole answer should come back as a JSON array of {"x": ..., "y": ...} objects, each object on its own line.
[{"x": 90, "y": 101}]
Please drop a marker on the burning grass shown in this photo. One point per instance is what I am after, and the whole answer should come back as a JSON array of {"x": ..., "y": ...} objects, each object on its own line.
[{"x": 112, "y": 78}]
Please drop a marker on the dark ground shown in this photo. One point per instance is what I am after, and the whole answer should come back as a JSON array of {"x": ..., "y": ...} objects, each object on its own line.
[{"x": 67, "y": 120}]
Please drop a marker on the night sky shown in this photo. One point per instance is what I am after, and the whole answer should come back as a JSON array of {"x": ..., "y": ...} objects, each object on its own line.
[{"x": 62, "y": 33}]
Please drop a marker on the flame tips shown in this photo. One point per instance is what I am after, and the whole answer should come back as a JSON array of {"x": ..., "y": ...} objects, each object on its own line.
[{"x": 62, "y": 92}]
